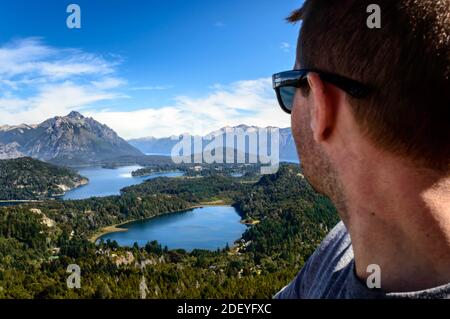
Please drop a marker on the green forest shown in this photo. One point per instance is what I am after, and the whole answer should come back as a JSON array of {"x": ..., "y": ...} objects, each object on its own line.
[
  {"x": 39, "y": 240},
  {"x": 29, "y": 179}
]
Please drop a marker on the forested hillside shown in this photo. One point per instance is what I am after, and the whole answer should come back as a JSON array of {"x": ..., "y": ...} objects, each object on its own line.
[
  {"x": 38, "y": 241},
  {"x": 29, "y": 179}
]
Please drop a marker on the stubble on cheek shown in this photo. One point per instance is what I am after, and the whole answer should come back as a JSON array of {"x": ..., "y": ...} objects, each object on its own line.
[
  {"x": 303, "y": 137},
  {"x": 315, "y": 164}
]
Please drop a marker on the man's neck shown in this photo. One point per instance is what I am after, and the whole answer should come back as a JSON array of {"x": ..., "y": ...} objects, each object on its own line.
[{"x": 399, "y": 218}]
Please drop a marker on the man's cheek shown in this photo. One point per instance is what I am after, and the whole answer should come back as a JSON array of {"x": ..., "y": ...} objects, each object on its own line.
[
  {"x": 298, "y": 124},
  {"x": 296, "y": 121},
  {"x": 296, "y": 133}
]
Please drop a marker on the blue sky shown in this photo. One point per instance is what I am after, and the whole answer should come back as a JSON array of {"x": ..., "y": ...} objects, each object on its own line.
[{"x": 146, "y": 68}]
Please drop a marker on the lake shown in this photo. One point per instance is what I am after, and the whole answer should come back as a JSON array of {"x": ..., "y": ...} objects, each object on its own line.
[
  {"x": 106, "y": 182},
  {"x": 209, "y": 227}
]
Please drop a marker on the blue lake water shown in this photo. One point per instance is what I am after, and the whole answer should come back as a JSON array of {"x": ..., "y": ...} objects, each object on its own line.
[
  {"x": 106, "y": 182},
  {"x": 209, "y": 227}
]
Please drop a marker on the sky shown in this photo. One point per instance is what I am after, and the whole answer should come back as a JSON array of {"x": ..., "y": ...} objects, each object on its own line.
[{"x": 146, "y": 68}]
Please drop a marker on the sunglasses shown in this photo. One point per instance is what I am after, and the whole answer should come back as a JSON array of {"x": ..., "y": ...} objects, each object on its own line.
[{"x": 286, "y": 83}]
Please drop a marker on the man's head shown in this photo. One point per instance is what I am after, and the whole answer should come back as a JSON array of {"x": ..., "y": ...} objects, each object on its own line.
[{"x": 406, "y": 63}]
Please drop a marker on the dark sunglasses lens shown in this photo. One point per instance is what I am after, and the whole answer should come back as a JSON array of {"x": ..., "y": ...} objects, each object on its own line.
[{"x": 287, "y": 96}]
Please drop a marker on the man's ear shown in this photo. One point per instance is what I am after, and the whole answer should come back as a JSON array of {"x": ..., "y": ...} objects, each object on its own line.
[{"x": 323, "y": 109}]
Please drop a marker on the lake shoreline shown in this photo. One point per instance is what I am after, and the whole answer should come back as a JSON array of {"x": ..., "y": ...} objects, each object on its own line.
[
  {"x": 103, "y": 182},
  {"x": 115, "y": 228},
  {"x": 83, "y": 182}
]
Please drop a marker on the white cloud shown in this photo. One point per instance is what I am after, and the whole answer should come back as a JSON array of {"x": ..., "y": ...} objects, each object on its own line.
[
  {"x": 109, "y": 83},
  {"x": 39, "y": 82},
  {"x": 30, "y": 57},
  {"x": 52, "y": 100},
  {"x": 286, "y": 47},
  {"x": 244, "y": 102}
]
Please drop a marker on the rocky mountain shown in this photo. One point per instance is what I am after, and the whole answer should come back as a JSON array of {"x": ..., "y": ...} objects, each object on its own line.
[
  {"x": 67, "y": 139},
  {"x": 163, "y": 146},
  {"x": 10, "y": 151}
]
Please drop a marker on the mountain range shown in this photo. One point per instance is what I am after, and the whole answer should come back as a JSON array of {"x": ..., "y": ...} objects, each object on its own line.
[
  {"x": 72, "y": 138},
  {"x": 78, "y": 140},
  {"x": 163, "y": 146}
]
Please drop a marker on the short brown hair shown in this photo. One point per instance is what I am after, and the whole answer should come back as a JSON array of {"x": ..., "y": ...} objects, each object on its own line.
[{"x": 406, "y": 62}]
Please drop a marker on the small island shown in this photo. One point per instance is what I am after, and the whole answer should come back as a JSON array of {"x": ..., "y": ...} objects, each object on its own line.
[
  {"x": 146, "y": 171},
  {"x": 243, "y": 171}
]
